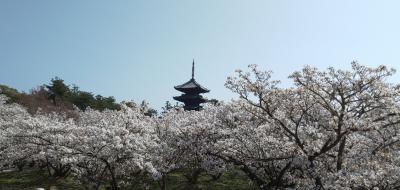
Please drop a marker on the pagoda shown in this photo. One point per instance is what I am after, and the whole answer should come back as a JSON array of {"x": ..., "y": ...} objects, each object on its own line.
[{"x": 191, "y": 93}]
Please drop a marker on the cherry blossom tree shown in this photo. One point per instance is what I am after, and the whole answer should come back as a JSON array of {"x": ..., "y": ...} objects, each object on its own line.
[
  {"x": 319, "y": 127},
  {"x": 186, "y": 137},
  {"x": 116, "y": 146},
  {"x": 9, "y": 114}
]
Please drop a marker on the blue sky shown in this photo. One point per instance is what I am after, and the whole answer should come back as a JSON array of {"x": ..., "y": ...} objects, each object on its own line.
[{"x": 135, "y": 50}]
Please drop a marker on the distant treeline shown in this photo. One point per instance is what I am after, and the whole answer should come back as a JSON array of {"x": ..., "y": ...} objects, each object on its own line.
[{"x": 57, "y": 96}]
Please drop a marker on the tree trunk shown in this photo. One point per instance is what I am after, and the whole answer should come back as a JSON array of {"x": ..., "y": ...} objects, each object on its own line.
[
  {"x": 340, "y": 154},
  {"x": 194, "y": 176},
  {"x": 114, "y": 184},
  {"x": 164, "y": 182}
]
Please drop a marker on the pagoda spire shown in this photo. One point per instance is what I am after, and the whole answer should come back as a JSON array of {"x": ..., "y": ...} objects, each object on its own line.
[{"x": 193, "y": 69}]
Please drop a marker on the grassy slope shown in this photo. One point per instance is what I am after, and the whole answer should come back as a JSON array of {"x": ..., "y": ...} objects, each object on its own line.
[{"x": 31, "y": 179}]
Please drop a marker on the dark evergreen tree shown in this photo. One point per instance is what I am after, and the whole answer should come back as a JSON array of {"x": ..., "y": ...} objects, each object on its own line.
[{"x": 58, "y": 91}]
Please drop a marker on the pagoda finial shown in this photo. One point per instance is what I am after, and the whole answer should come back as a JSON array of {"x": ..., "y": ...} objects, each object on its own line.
[{"x": 193, "y": 69}]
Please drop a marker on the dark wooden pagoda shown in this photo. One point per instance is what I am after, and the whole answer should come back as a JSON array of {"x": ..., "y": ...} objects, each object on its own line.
[{"x": 191, "y": 93}]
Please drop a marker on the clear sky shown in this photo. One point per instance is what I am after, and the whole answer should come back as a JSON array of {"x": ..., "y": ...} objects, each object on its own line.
[{"x": 135, "y": 50}]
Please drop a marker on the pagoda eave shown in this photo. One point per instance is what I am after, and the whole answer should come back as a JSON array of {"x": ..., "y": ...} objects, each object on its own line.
[
  {"x": 186, "y": 99},
  {"x": 192, "y": 90}
]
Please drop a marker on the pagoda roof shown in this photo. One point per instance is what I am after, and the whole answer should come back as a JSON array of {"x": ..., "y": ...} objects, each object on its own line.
[{"x": 191, "y": 87}]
